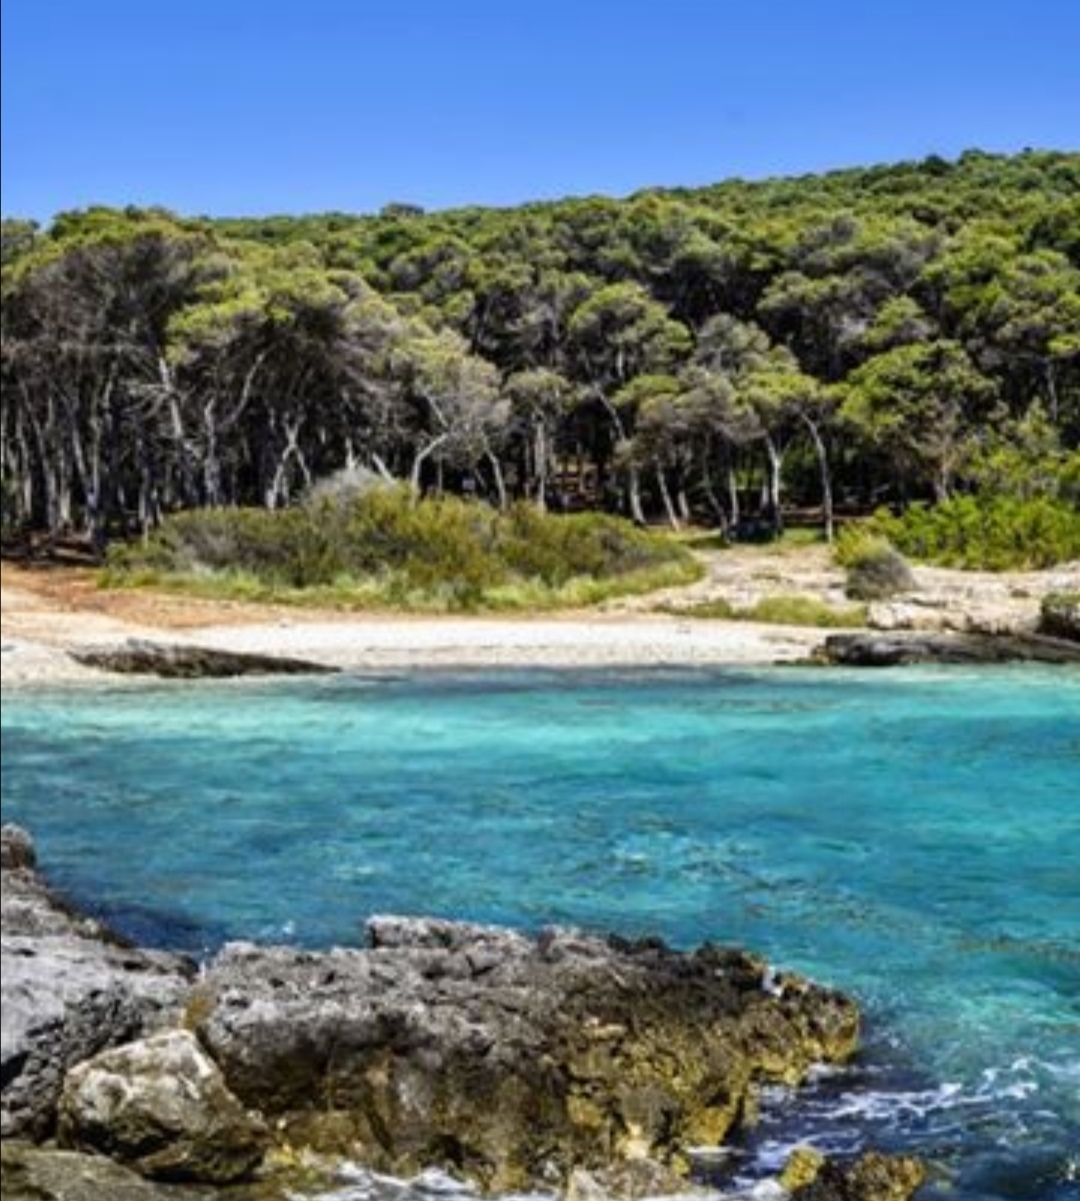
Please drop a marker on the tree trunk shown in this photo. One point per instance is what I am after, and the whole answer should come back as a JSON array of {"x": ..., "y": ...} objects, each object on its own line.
[
  {"x": 773, "y": 485},
  {"x": 419, "y": 459},
  {"x": 500, "y": 481},
  {"x": 827, "y": 516},
  {"x": 665, "y": 496},
  {"x": 710, "y": 496},
  {"x": 540, "y": 466},
  {"x": 733, "y": 494},
  {"x": 633, "y": 493}
]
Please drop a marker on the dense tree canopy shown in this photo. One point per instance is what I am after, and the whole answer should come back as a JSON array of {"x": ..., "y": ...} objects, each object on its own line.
[{"x": 901, "y": 333}]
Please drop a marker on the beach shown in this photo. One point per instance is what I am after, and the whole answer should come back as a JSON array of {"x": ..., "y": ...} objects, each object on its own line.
[
  {"x": 40, "y": 627},
  {"x": 48, "y": 613}
]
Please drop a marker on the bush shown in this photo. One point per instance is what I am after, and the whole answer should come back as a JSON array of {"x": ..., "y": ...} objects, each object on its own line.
[
  {"x": 990, "y": 533},
  {"x": 804, "y": 611},
  {"x": 378, "y": 546},
  {"x": 781, "y": 609},
  {"x": 875, "y": 568}
]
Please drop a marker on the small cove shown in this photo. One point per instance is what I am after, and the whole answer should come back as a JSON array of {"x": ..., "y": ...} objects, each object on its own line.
[{"x": 908, "y": 836}]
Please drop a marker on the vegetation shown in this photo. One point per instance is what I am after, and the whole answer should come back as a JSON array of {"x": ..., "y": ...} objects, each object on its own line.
[
  {"x": 895, "y": 335},
  {"x": 875, "y": 568},
  {"x": 995, "y": 533},
  {"x": 780, "y": 609},
  {"x": 382, "y": 548}
]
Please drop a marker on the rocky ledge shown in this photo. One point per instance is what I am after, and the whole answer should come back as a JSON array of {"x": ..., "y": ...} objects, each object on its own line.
[
  {"x": 181, "y": 661},
  {"x": 562, "y": 1062},
  {"x": 70, "y": 989},
  {"x": 903, "y": 648}
]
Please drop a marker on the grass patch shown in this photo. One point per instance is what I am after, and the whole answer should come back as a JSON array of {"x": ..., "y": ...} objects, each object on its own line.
[
  {"x": 781, "y": 609},
  {"x": 383, "y": 550}
]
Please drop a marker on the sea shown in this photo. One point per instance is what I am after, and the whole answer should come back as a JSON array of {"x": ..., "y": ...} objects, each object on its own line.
[{"x": 911, "y": 836}]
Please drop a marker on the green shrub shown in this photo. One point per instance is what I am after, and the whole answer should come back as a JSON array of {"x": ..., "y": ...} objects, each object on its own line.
[
  {"x": 782, "y": 609},
  {"x": 991, "y": 533},
  {"x": 804, "y": 611},
  {"x": 379, "y": 546},
  {"x": 876, "y": 570}
]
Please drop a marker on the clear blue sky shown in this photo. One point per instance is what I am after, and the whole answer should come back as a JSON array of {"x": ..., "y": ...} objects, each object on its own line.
[{"x": 254, "y": 106}]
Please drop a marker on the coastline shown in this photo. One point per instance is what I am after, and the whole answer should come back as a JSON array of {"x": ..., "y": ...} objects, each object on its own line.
[
  {"x": 47, "y": 616},
  {"x": 39, "y": 634}
]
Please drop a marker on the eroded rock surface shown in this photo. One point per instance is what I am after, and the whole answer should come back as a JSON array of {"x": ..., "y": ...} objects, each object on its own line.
[
  {"x": 32, "y": 1173},
  {"x": 562, "y": 1062},
  {"x": 160, "y": 1105},
  {"x": 871, "y": 1177},
  {"x": 69, "y": 990},
  {"x": 181, "y": 661},
  {"x": 508, "y": 1059},
  {"x": 1060, "y": 616},
  {"x": 900, "y": 649}
]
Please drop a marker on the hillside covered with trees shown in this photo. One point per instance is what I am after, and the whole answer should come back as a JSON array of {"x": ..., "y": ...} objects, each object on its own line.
[{"x": 719, "y": 355}]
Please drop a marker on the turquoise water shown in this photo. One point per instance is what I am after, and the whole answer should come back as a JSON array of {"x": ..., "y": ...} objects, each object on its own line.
[{"x": 909, "y": 836}]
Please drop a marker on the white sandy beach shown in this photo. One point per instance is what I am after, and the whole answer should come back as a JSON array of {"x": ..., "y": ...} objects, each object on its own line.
[
  {"x": 45, "y": 615},
  {"x": 38, "y": 633}
]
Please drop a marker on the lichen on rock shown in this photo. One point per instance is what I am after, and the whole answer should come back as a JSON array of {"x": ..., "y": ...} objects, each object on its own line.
[{"x": 511, "y": 1060}]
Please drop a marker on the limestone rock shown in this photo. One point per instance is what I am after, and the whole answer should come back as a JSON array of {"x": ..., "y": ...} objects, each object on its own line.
[
  {"x": 1060, "y": 616},
  {"x": 69, "y": 989},
  {"x": 161, "y": 1106},
  {"x": 32, "y": 1173},
  {"x": 897, "y": 649},
  {"x": 872, "y": 1177},
  {"x": 182, "y": 661},
  {"x": 802, "y": 1168},
  {"x": 509, "y": 1060}
]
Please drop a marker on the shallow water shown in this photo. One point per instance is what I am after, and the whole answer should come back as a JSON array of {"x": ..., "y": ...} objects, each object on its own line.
[{"x": 907, "y": 835}]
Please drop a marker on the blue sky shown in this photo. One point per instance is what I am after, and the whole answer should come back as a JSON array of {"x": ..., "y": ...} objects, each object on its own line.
[{"x": 255, "y": 106}]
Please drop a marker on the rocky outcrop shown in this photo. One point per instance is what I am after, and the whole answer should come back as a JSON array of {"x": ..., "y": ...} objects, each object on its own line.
[
  {"x": 69, "y": 990},
  {"x": 508, "y": 1059},
  {"x": 160, "y": 1105},
  {"x": 184, "y": 662},
  {"x": 871, "y": 1177},
  {"x": 1059, "y": 616},
  {"x": 901, "y": 649},
  {"x": 30, "y": 1173},
  {"x": 564, "y": 1061}
]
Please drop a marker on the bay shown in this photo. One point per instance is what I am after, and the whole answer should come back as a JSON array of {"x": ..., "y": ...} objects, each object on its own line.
[{"x": 909, "y": 836}]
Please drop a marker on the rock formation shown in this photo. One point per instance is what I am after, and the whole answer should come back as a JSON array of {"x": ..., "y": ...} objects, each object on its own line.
[
  {"x": 161, "y": 1106},
  {"x": 183, "y": 662},
  {"x": 566, "y": 1061},
  {"x": 508, "y": 1059},
  {"x": 1059, "y": 616},
  {"x": 69, "y": 990},
  {"x": 900, "y": 649}
]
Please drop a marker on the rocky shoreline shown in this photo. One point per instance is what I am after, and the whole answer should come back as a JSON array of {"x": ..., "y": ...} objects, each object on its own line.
[{"x": 566, "y": 1063}]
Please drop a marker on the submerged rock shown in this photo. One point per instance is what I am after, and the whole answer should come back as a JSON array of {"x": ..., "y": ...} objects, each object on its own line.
[
  {"x": 181, "y": 661},
  {"x": 69, "y": 989},
  {"x": 901, "y": 649},
  {"x": 161, "y": 1106},
  {"x": 507, "y": 1059}
]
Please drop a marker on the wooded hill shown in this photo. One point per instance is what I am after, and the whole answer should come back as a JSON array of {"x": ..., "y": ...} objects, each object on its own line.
[{"x": 713, "y": 354}]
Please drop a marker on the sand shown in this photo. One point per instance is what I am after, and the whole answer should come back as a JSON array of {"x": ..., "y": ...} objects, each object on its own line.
[
  {"x": 41, "y": 622},
  {"x": 47, "y": 613}
]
